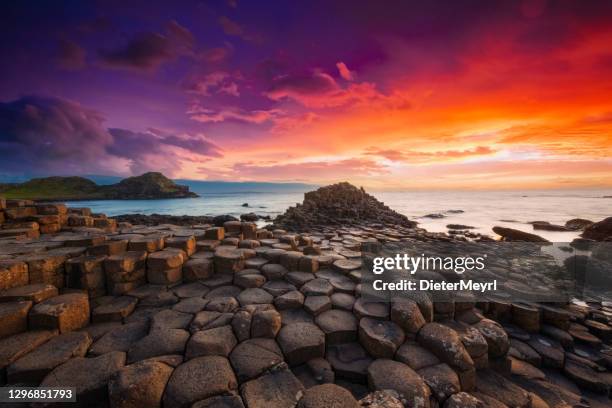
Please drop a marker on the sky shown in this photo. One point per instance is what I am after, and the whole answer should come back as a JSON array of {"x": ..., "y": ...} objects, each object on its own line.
[{"x": 390, "y": 95}]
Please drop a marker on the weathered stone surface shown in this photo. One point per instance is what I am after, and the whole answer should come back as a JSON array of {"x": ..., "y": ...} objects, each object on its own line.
[
  {"x": 317, "y": 287},
  {"x": 266, "y": 323},
  {"x": 349, "y": 360},
  {"x": 442, "y": 381},
  {"x": 34, "y": 366},
  {"x": 14, "y": 347},
  {"x": 166, "y": 259},
  {"x": 382, "y": 399},
  {"x": 46, "y": 268},
  {"x": 120, "y": 338},
  {"x": 250, "y": 280},
  {"x": 339, "y": 326},
  {"x": 224, "y": 291},
  {"x": 253, "y": 357},
  {"x": 220, "y": 401},
  {"x": 225, "y": 304},
  {"x": 197, "y": 379},
  {"x": 496, "y": 337},
  {"x": 97, "y": 330},
  {"x": 363, "y": 308},
  {"x": 241, "y": 324},
  {"x": 289, "y": 300},
  {"x": 228, "y": 260},
  {"x": 416, "y": 356},
  {"x": 139, "y": 385},
  {"x": 463, "y": 400},
  {"x": 273, "y": 271},
  {"x": 499, "y": 387},
  {"x": 64, "y": 313},
  {"x": 386, "y": 374},
  {"x": 327, "y": 396},
  {"x": 406, "y": 314},
  {"x": 525, "y": 352},
  {"x": 254, "y": 296},
  {"x": 342, "y": 301},
  {"x": 278, "y": 287},
  {"x": 218, "y": 341},
  {"x": 191, "y": 305},
  {"x": 35, "y": 293},
  {"x": 187, "y": 244},
  {"x": 197, "y": 269},
  {"x": 188, "y": 290},
  {"x": 14, "y": 317},
  {"x": 89, "y": 376},
  {"x": 170, "y": 319},
  {"x": 13, "y": 274},
  {"x": 114, "y": 310},
  {"x": 380, "y": 338},
  {"x": 445, "y": 343},
  {"x": 551, "y": 352},
  {"x": 158, "y": 343},
  {"x": 209, "y": 320},
  {"x": 316, "y": 305},
  {"x": 280, "y": 389},
  {"x": 301, "y": 342}
]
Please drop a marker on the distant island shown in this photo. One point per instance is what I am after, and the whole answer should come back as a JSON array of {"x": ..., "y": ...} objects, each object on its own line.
[{"x": 147, "y": 186}]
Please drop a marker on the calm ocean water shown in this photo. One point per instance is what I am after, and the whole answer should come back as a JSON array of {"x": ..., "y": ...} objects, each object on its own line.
[{"x": 482, "y": 210}]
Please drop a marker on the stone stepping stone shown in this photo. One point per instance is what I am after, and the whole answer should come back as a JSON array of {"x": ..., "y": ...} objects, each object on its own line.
[
  {"x": 384, "y": 374},
  {"x": 551, "y": 352},
  {"x": 14, "y": 317},
  {"x": 170, "y": 319},
  {"x": 139, "y": 385},
  {"x": 339, "y": 326},
  {"x": 290, "y": 316},
  {"x": 218, "y": 341},
  {"x": 15, "y": 346},
  {"x": 299, "y": 278},
  {"x": 376, "y": 310},
  {"x": 523, "y": 351},
  {"x": 301, "y": 342},
  {"x": 289, "y": 300},
  {"x": 564, "y": 338},
  {"x": 254, "y": 296},
  {"x": 218, "y": 280},
  {"x": 190, "y": 290},
  {"x": 415, "y": 356},
  {"x": 222, "y": 401},
  {"x": 273, "y": 271},
  {"x": 190, "y": 305},
  {"x": 158, "y": 343},
  {"x": 406, "y": 314},
  {"x": 314, "y": 372},
  {"x": 464, "y": 400},
  {"x": 64, "y": 313},
  {"x": 280, "y": 389},
  {"x": 13, "y": 274},
  {"x": 502, "y": 389},
  {"x": 526, "y": 370},
  {"x": 316, "y": 305},
  {"x": 255, "y": 263},
  {"x": 89, "y": 376},
  {"x": 198, "y": 379},
  {"x": 526, "y": 317},
  {"x": 380, "y": 338},
  {"x": 150, "y": 243},
  {"x": 496, "y": 337},
  {"x": 442, "y": 381},
  {"x": 317, "y": 287},
  {"x": 34, "y": 366},
  {"x": 222, "y": 305},
  {"x": 346, "y": 265},
  {"x": 266, "y": 323},
  {"x": 252, "y": 280},
  {"x": 278, "y": 287},
  {"x": 445, "y": 343},
  {"x": 228, "y": 260},
  {"x": 162, "y": 299},
  {"x": 327, "y": 395},
  {"x": 581, "y": 335},
  {"x": 586, "y": 377},
  {"x": 114, "y": 310},
  {"x": 224, "y": 291},
  {"x": 187, "y": 243},
  {"x": 253, "y": 357},
  {"x": 342, "y": 301},
  {"x": 349, "y": 360},
  {"x": 34, "y": 293},
  {"x": 197, "y": 269},
  {"x": 120, "y": 338},
  {"x": 97, "y": 330},
  {"x": 147, "y": 290},
  {"x": 208, "y": 320}
]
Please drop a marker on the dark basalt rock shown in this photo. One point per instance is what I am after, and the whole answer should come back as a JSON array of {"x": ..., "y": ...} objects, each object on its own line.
[
  {"x": 337, "y": 204},
  {"x": 600, "y": 231},
  {"x": 510, "y": 234}
]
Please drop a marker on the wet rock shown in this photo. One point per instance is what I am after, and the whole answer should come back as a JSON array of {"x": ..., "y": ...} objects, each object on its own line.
[
  {"x": 600, "y": 231},
  {"x": 551, "y": 352},
  {"x": 379, "y": 337},
  {"x": 327, "y": 396},
  {"x": 301, "y": 342},
  {"x": 278, "y": 389},
  {"x": 64, "y": 313},
  {"x": 253, "y": 357},
  {"x": 139, "y": 385},
  {"x": 578, "y": 224},
  {"x": 89, "y": 376},
  {"x": 33, "y": 367},
  {"x": 218, "y": 341},
  {"x": 523, "y": 351},
  {"x": 510, "y": 234},
  {"x": 198, "y": 379},
  {"x": 386, "y": 374}
]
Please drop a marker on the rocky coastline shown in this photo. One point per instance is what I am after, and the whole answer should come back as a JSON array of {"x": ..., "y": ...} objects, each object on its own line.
[{"x": 216, "y": 312}]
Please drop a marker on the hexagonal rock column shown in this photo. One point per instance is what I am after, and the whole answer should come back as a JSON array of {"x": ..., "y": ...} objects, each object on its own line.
[
  {"x": 35, "y": 293},
  {"x": 197, "y": 269},
  {"x": 140, "y": 384},
  {"x": 327, "y": 395},
  {"x": 64, "y": 313},
  {"x": 197, "y": 379},
  {"x": 254, "y": 356},
  {"x": 46, "y": 268},
  {"x": 13, "y": 274},
  {"x": 228, "y": 260},
  {"x": 386, "y": 374},
  {"x": 301, "y": 342},
  {"x": 380, "y": 337},
  {"x": 165, "y": 267},
  {"x": 187, "y": 244},
  {"x": 125, "y": 272},
  {"x": 280, "y": 389},
  {"x": 14, "y": 317},
  {"x": 339, "y": 326},
  {"x": 87, "y": 272}
]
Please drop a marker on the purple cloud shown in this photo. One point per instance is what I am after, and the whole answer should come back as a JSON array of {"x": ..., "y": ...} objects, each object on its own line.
[{"x": 71, "y": 56}]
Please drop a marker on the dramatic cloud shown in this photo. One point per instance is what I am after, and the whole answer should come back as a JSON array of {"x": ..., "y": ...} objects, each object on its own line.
[
  {"x": 218, "y": 82},
  {"x": 148, "y": 50},
  {"x": 344, "y": 71},
  {"x": 204, "y": 115},
  {"x": 70, "y": 55},
  {"x": 57, "y": 136},
  {"x": 411, "y": 156}
]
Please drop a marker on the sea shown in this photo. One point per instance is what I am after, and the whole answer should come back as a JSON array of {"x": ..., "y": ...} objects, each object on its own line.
[{"x": 480, "y": 209}]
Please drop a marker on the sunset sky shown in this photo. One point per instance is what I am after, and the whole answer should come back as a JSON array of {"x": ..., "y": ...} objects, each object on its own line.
[{"x": 390, "y": 95}]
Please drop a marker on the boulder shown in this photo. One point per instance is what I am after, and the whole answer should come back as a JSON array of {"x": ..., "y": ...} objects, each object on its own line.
[
  {"x": 380, "y": 338},
  {"x": 510, "y": 234},
  {"x": 446, "y": 344},
  {"x": 338, "y": 325},
  {"x": 253, "y": 357},
  {"x": 120, "y": 338},
  {"x": 64, "y": 313},
  {"x": 218, "y": 341},
  {"x": 384, "y": 374},
  {"x": 327, "y": 396},
  {"x": 115, "y": 309},
  {"x": 279, "y": 389},
  {"x": 301, "y": 342},
  {"x": 600, "y": 231},
  {"x": 442, "y": 381},
  {"x": 266, "y": 323},
  {"x": 158, "y": 343}
]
